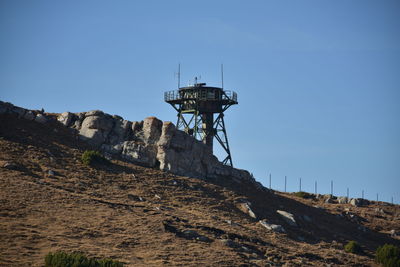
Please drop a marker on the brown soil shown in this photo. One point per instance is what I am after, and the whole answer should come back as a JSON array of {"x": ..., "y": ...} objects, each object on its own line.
[{"x": 139, "y": 215}]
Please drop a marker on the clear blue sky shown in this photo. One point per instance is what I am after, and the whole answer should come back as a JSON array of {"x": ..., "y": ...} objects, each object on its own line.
[{"x": 317, "y": 81}]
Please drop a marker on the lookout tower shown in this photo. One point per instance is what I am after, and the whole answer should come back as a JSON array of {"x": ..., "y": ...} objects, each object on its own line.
[{"x": 196, "y": 105}]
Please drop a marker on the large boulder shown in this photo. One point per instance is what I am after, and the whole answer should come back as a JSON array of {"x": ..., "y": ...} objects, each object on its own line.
[
  {"x": 92, "y": 136},
  {"x": 167, "y": 133},
  {"x": 140, "y": 153},
  {"x": 180, "y": 153},
  {"x": 137, "y": 127},
  {"x": 181, "y": 141},
  {"x": 272, "y": 227},
  {"x": 184, "y": 162},
  {"x": 40, "y": 118},
  {"x": 151, "y": 130},
  {"x": 167, "y": 159},
  {"x": 94, "y": 113},
  {"x": 288, "y": 217},
  {"x": 78, "y": 122},
  {"x": 112, "y": 149},
  {"x": 210, "y": 163},
  {"x": 120, "y": 132},
  {"x": 66, "y": 118},
  {"x": 245, "y": 207},
  {"x": 165, "y": 155},
  {"x": 95, "y": 129},
  {"x": 104, "y": 122}
]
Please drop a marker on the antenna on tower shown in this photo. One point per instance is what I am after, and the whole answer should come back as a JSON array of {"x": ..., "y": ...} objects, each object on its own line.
[
  {"x": 222, "y": 75},
  {"x": 179, "y": 75},
  {"x": 195, "y": 80}
]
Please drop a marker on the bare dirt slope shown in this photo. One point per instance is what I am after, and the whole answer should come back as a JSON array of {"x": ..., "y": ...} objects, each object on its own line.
[{"x": 141, "y": 216}]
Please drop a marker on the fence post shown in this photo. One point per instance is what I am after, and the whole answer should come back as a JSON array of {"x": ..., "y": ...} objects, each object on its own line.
[
  {"x": 269, "y": 181},
  {"x": 300, "y": 184},
  {"x": 315, "y": 187},
  {"x": 285, "y": 183}
]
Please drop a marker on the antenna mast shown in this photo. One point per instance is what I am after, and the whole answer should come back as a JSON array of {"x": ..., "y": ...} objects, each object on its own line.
[
  {"x": 222, "y": 75},
  {"x": 179, "y": 75}
]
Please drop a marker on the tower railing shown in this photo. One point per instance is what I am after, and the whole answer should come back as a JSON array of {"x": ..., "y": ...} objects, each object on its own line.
[
  {"x": 230, "y": 95},
  {"x": 171, "y": 95},
  {"x": 175, "y": 95}
]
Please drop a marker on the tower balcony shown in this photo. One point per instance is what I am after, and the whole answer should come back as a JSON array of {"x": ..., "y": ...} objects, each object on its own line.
[{"x": 201, "y": 94}]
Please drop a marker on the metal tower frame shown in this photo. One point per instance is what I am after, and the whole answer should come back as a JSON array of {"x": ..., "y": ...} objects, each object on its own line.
[{"x": 196, "y": 106}]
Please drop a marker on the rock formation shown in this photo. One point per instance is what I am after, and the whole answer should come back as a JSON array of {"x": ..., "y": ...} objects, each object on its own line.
[
  {"x": 150, "y": 142},
  {"x": 288, "y": 217}
]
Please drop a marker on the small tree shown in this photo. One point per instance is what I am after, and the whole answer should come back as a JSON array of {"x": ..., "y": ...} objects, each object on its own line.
[
  {"x": 76, "y": 259},
  {"x": 388, "y": 255},
  {"x": 90, "y": 157},
  {"x": 353, "y": 247}
]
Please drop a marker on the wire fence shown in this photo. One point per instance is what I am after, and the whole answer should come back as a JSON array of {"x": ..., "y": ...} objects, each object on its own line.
[{"x": 332, "y": 189}]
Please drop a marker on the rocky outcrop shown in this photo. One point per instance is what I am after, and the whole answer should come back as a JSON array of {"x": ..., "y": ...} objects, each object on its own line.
[
  {"x": 272, "y": 227},
  {"x": 96, "y": 127},
  {"x": 359, "y": 202},
  {"x": 40, "y": 118},
  {"x": 66, "y": 118},
  {"x": 288, "y": 217},
  {"x": 343, "y": 200},
  {"x": 245, "y": 207},
  {"x": 150, "y": 142}
]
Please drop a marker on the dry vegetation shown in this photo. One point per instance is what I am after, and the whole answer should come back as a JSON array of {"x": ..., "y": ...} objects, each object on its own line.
[{"x": 51, "y": 201}]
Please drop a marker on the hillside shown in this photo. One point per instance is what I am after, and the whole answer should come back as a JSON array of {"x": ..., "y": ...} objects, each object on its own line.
[{"x": 144, "y": 216}]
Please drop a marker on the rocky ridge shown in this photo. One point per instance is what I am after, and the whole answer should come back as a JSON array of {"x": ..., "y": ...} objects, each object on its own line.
[{"x": 151, "y": 142}]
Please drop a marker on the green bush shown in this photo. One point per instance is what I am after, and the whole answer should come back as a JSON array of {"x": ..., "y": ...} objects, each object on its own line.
[
  {"x": 62, "y": 259},
  {"x": 303, "y": 194},
  {"x": 388, "y": 255},
  {"x": 353, "y": 247},
  {"x": 109, "y": 263},
  {"x": 90, "y": 157}
]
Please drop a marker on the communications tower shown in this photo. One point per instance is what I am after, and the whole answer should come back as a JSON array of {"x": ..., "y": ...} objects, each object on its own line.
[{"x": 196, "y": 105}]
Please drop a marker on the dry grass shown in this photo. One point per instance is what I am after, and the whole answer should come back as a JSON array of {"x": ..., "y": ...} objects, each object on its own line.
[{"x": 121, "y": 211}]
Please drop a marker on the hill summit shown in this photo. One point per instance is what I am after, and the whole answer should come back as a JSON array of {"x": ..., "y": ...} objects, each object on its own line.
[{"x": 162, "y": 200}]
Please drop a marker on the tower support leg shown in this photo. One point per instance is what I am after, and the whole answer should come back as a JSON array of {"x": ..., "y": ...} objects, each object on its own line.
[
  {"x": 208, "y": 129},
  {"x": 203, "y": 127},
  {"x": 222, "y": 138}
]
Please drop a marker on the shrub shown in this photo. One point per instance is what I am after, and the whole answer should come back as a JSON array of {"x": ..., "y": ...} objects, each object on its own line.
[
  {"x": 62, "y": 259},
  {"x": 303, "y": 194},
  {"x": 388, "y": 255},
  {"x": 353, "y": 247},
  {"x": 109, "y": 263},
  {"x": 90, "y": 157}
]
